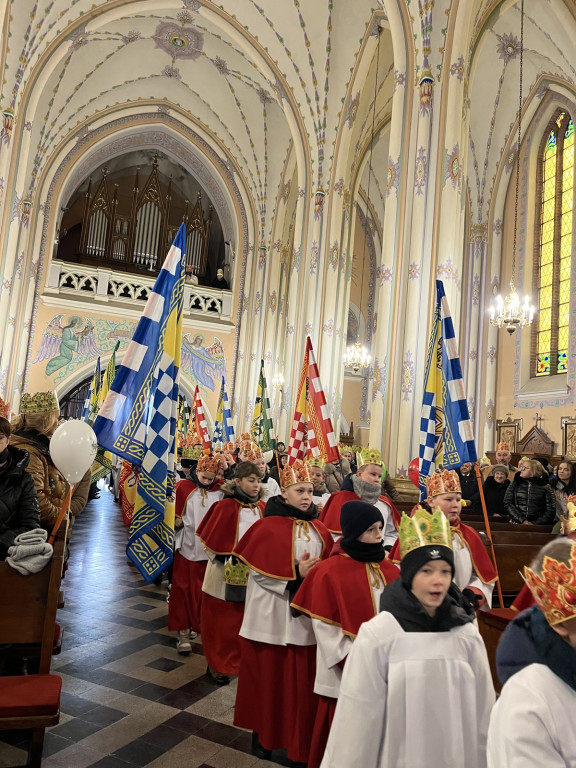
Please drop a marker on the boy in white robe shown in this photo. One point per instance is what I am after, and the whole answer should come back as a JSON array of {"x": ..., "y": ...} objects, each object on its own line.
[
  {"x": 416, "y": 690},
  {"x": 532, "y": 724}
]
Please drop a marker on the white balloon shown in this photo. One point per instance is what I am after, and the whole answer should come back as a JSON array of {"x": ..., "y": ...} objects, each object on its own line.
[{"x": 73, "y": 447}]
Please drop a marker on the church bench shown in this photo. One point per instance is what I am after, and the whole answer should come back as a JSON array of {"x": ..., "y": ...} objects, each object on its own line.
[
  {"x": 28, "y": 607},
  {"x": 491, "y": 625}
]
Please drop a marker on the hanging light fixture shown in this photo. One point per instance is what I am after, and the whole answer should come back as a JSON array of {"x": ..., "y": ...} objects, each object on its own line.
[
  {"x": 357, "y": 356},
  {"x": 512, "y": 312}
]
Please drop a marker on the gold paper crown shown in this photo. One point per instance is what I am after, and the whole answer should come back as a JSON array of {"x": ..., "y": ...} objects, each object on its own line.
[
  {"x": 191, "y": 452},
  {"x": 503, "y": 447},
  {"x": 316, "y": 461},
  {"x": 245, "y": 436},
  {"x": 555, "y": 591},
  {"x": 254, "y": 453},
  {"x": 236, "y": 574},
  {"x": 298, "y": 472},
  {"x": 422, "y": 530},
  {"x": 569, "y": 522},
  {"x": 4, "y": 409},
  {"x": 40, "y": 402},
  {"x": 208, "y": 464},
  {"x": 368, "y": 456},
  {"x": 447, "y": 482},
  {"x": 229, "y": 447}
]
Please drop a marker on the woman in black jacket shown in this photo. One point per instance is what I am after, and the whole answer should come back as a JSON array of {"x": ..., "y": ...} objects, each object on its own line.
[
  {"x": 530, "y": 499},
  {"x": 19, "y": 509}
]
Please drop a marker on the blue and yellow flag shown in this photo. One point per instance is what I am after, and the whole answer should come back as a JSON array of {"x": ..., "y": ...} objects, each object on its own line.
[
  {"x": 138, "y": 419},
  {"x": 446, "y": 435},
  {"x": 102, "y": 465},
  {"x": 218, "y": 432}
]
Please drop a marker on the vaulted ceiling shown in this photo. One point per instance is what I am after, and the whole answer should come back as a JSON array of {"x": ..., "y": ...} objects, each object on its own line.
[{"x": 259, "y": 80}]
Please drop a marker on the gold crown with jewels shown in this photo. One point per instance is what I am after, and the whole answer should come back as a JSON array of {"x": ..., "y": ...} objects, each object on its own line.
[
  {"x": 298, "y": 472},
  {"x": 443, "y": 482},
  {"x": 555, "y": 590}
]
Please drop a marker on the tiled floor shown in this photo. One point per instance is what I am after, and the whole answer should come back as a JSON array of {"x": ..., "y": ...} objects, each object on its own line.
[{"x": 128, "y": 698}]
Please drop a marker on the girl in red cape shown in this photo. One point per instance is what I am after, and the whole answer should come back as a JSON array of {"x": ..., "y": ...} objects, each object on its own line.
[{"x": 275, "y": 698}]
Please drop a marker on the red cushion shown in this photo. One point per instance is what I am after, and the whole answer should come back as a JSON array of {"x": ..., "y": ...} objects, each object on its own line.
[{"x": 29, "y": 695}]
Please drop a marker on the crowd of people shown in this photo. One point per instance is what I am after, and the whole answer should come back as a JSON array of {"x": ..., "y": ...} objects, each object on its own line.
[{"x": 347, "y": 624}]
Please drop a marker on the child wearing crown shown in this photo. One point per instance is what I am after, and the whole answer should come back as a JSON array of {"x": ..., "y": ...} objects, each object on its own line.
[
  {"x": 416, "y": 689},
  {"x": 223, "y": 597},
  {"x": 365, "y": 485},
  {"x": 340, "y": 594},
  {"x": 275, "y": 687},
  {"x": 474, "y": 571},
  {"x": 194, "y": 497},
  {"x": 320, "y": 494},
  {"x": 532, "y": 724}
]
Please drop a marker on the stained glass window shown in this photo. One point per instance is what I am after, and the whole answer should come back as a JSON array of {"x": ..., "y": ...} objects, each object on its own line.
[{"x": 554, "y": 237}]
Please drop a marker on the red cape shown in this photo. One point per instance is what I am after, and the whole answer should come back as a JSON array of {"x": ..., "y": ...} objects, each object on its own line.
[
  {"x": 268, "y": 546},
  {"x": 330, "y": 514},
  {"x": 337, "y": 591},
  {"x": 524, "y": 599},
  {"x": 183, "y": 489},
  {"x": 218, "y": 530},
  {"x": 481, "y": 562}
]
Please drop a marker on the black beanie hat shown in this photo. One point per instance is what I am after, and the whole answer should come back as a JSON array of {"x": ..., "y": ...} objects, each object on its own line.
[
  {"x": 356, "y": 517},
  {"x": 417, "y": 558}
]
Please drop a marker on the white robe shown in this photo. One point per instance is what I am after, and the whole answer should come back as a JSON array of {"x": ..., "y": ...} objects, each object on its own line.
[
  {"x": 465, "y": 575},
  {"x": 332, "y": 647},
  {"x": 197, "y": 504},
  {"x": 267, "y": 614},
  {"x": 532, "y": 723},
  {"x": 412, "y": 699}
]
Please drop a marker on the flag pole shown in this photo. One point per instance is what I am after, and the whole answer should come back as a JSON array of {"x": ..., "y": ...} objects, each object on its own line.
[{"x": 488, "y": 532}]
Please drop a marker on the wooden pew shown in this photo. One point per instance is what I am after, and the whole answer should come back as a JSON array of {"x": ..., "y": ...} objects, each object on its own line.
[
  {"x": 28, "y": 607},
  {"x": 491, "y": 625}
]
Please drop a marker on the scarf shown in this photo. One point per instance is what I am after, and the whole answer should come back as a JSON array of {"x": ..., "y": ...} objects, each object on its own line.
[
  {"x": 410, "y": 614},
  {"x": 552, "y": 649},
  {"x": 246, "y": 500},
  {"x": 368, "y": 492},
  {"x": 365, "y": 553},
  {"x": 277, "y": 506}
]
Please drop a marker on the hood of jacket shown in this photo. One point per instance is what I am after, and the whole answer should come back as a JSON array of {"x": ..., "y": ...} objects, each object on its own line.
[
  {"x": 229, "y": 490},
  {"x": 20, "y": 459},
  {"x": 516, "y": 648}
]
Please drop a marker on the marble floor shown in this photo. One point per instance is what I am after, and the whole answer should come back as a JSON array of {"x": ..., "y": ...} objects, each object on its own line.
[{"x": 129, "y": 699}]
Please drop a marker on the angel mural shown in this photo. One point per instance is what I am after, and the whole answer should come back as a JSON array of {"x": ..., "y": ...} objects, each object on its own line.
[
  {"x": 205, "y": 364},
  {"x": 60, "y": 342}
]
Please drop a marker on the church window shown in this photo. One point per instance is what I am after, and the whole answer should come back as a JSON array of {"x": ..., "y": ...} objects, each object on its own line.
[{"x": 553, "y": 243}]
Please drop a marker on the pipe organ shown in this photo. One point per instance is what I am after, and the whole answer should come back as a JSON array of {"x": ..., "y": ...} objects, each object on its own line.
[{"x": 140, "y": 239}]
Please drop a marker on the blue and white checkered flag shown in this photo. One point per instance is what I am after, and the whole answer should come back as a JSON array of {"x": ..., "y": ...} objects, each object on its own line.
[
  {"x": 138, "y": 418},
  {"x": 446, "y": 435}
]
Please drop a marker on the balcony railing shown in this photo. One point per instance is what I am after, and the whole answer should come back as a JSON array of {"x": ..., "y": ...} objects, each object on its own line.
[{"x": 106, "y": 286}]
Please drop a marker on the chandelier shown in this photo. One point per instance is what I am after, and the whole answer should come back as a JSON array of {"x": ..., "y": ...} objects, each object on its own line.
[
  {"x": 357, "y": 356},
  {"x": 512, "y": 312}
]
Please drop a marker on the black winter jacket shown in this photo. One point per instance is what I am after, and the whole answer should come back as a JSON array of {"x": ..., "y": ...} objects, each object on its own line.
[
  {"x": 19, "y": 509},
  {"x": 530, "y": 499},
  {"x": 494, "y": 494}
]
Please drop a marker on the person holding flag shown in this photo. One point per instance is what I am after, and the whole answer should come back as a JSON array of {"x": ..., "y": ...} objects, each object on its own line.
[
  {"x": 194, "y": 498},
  {"x": 138, "y": 418},
  {"x": 447, "y": 440}
]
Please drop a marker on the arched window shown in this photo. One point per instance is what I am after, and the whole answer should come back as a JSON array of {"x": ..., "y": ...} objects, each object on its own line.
[{"x": 553, "y": 246}]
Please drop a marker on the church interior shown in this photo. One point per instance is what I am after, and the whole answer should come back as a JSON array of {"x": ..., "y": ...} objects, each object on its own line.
[{"x": 331, "y": 160}]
